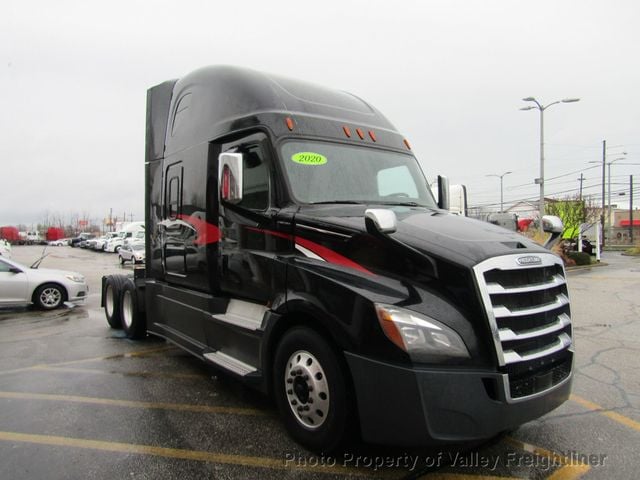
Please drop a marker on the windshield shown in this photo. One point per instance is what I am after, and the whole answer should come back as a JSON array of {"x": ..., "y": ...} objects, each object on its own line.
[{"x": 333, "y": 173}]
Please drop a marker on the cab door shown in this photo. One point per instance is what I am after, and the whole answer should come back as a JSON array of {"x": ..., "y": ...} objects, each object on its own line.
[{"x": 252, "y": 238}]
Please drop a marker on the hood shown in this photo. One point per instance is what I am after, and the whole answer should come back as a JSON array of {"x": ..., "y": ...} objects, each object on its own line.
[
  {"x": 50, "y": 272},
  {"x": 437, "y": 233}
]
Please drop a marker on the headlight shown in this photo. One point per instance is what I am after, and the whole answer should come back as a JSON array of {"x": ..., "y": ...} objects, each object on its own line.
[
  {"x": 422, "y": 337},
  {"x": 75, "y": 278}
]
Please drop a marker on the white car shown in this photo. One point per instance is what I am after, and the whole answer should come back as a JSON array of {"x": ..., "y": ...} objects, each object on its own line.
[
  {"x": 58, "y": 243},
  {"x": 46, "y": 288},
  {"x": 134, "y": 252}
]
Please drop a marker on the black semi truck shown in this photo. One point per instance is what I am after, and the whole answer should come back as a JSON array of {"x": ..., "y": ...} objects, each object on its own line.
[{"x": 292, "y": 240}]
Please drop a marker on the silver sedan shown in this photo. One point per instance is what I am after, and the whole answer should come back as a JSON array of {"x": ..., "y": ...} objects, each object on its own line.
[{"x": 46, "y": 288}]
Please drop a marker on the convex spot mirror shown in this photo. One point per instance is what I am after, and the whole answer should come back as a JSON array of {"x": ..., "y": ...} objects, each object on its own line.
[
  {"x": 381, "y": 219},
  {"x": 552, "y": 224},
  {"x": 230, "y": 177}
]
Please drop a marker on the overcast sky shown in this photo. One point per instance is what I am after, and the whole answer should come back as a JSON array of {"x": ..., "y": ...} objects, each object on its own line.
[{"x": 449, "y": 74}]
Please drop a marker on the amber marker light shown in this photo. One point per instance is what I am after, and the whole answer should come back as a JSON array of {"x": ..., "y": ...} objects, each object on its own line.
[
  {"x": 360, "y": 133},
  {"x": 347, "y": 131},
  {"x": 373, "y": 135},
  {"x": 406, "y": 143},
  {"x": 389, "y": 327},
  {"x": 289, "y": 123}
]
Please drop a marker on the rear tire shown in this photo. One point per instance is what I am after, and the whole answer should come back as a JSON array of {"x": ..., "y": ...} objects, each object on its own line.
[
  {"x": 134, "y": 322},
  {"x": 112, "y": 296},
  {"x": 311, "y": 391}
]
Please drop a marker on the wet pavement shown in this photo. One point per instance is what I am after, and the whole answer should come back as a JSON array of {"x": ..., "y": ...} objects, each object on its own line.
[{"x": 78, "y": 400}]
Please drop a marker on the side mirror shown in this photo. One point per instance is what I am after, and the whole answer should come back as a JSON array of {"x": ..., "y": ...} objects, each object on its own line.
[
  {"x": 381, "y": 219},
  {"x": 553, "y": 225},
  {"x": 443, "y": 192},
  {"x": 230, "y": 177},
  {"x": 15, "y": 270}
]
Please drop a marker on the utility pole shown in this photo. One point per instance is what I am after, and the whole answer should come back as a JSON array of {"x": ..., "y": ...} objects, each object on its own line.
[
  {"x": 581, "y": 179},
  {"x": 604, "y": 161},
  {"x": 631, "y": 209}
]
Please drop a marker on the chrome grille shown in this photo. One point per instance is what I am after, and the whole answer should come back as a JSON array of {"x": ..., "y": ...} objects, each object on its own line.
[{"x": 530, "y": 320}]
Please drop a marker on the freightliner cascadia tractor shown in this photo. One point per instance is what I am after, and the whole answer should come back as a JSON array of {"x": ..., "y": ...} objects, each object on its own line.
[{"x": 292, "y": 241}]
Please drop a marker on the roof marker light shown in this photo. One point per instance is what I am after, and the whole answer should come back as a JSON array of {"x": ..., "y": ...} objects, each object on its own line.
[
  {"x": 289, "y": 123},
  {"x": 373, "y": 135},
  {"x": 360, "y": 133},
  {"x": 347, "y": 131},
  {"x": 406, "y": 143}
]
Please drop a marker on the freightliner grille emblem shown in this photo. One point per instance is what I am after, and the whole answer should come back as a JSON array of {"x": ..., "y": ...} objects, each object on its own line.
[{"x": 529, "y": 260}]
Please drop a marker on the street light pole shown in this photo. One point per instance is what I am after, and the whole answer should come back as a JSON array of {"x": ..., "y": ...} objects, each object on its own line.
[
  {"x": 542, "y": 108},
  {"x": 501, "y": 189}
]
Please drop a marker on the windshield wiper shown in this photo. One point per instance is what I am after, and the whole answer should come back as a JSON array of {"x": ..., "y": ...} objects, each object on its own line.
[
  {"x": 402, "y": 204},
  {"x": 327, "y": 202}
]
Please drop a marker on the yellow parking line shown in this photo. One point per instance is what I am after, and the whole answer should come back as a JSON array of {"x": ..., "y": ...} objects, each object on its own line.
[
  {"x": 139, "y": 353},
  {"x": 616, "y": 417},
  {"x": 94, "y": 371},
  {"x": 462, "y": 476},
  {"x": 202, "y": 456},
  {"x": 570, "y": 469},
  {"x": 134, "y": 404}
]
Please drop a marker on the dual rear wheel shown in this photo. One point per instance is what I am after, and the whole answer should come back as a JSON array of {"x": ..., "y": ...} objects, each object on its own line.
[{"x": 122, "y": 306}]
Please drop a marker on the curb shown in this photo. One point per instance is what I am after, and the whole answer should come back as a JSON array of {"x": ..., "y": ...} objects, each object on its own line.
[{"x": 584, "y": 267}]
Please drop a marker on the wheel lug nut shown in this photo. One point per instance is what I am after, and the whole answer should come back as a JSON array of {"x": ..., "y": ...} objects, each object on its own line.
[
  {"x": 294, "y": 402},
  {"x": 300, "y": 409},
  {"x": 305, "y": 377},
  {"x": 310, "y": 388},
  {"x": 289, "y": 380},
  {"x": 289, "y": 392},
  {"x": 310, "y": 400},
  {"x": 306, "y": 407}
]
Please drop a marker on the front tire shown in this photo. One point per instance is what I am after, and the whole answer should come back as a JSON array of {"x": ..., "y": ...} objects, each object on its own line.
[
  {"x": 50, "y": 296},
  {"x": 311, "y": 390}
]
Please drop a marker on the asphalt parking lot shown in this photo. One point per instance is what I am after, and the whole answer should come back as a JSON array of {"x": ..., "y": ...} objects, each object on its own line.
[{"x": 78, "y": 400}]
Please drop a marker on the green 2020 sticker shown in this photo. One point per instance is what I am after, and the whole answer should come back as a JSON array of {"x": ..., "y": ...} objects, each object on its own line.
[{"x": 309, "y": 158}]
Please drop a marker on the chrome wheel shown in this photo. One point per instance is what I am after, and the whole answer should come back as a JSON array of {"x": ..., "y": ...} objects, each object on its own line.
[
  {"x": 127, "y": 309},
  {"x": 50, "y": 297},
  {"x": 307, "y": 389}
]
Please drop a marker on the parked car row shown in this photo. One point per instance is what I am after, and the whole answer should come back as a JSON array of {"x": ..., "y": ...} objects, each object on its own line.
[{"x": 128, "y": 243}]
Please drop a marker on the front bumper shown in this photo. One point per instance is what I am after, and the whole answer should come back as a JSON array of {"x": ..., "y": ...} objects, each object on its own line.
[
  {"x": 77, "y": 292},
  {"x": 427, "y": 406}
]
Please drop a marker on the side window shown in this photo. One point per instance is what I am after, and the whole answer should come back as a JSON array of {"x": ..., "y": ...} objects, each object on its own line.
[
  {"x": 173, "y": 193},
  {"x": 396, "y": 181},
  {"x": 4, "y": 267},
  {"x": 180, "y": 116},
  {"x": 255, "y": 192}
]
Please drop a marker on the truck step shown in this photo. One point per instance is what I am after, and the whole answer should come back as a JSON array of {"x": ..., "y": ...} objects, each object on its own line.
[
  {"x": 242, "y": 314},
  {"x": 230, "y": 363}
]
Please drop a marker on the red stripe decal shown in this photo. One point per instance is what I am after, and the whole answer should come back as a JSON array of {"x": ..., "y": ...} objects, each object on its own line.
[
  {"x": 331, "y": 256},
  {"x": 206, "y": 233},
  {"x": 323, "y": 252}
]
